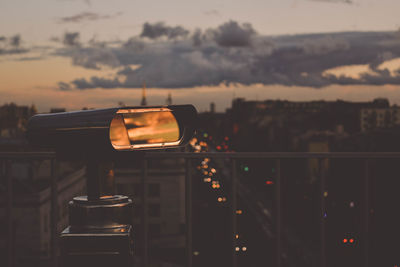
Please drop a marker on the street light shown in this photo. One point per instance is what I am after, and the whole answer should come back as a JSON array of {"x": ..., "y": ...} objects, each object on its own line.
[{"x": 100, "y": 224}]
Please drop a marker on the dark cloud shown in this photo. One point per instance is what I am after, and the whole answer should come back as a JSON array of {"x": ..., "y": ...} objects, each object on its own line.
[
  {"x": 64, "y": 86},
  {"x": 383, "y": 77},
  {"x": 233, "y": 34},
  {"x": 380, "y": 58},
  {"x": 12, "y": 45},
  {"x": 325, "y": 45},
  {"x": 197, "y": 37},
  {"x": 86, "y": 16},
  {"x": 95, "y": 58},
  {"x": 96, "y": 82},
  {"x": 31, "y": 58},
  {"x": 134, "y": 44},
  {"x": 159, "y": 29},
  {"x": 71, "y": 39},
  {"x": 55, "y": 39},
  {"x": 15, "y": 41},
  {"x": 235, "y": 53}
]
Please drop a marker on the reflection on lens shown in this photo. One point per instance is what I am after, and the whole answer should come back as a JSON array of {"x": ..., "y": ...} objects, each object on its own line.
[
  {"x": 118, "y": 134},
  {"x": 144, "y": 128},
  {"x": 151, "y": 127}
]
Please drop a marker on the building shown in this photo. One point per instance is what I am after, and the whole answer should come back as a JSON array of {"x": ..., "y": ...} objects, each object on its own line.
[
  {"x": 144, "y": 100},
  {"x": 276, "y": 124},
  {"x": 57, "y": 110},
  {"x": 373, "y": 118},
  {"x": 32, "y": 208},
  {"x": 166, "y": 199},
  {"x": 13, "y": 119},
  {"x": 168, "y": 101}
]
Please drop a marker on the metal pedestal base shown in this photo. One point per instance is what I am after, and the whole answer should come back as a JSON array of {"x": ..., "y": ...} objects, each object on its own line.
[{"x": 100, "y": 233}]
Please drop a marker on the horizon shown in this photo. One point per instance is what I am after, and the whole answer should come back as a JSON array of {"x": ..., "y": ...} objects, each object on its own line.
[{"x": 208, "y": 110}]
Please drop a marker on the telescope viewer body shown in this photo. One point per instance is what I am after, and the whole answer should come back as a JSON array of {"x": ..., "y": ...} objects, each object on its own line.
[
  {"x": 104, "y": 131},
  {"x": 100, "y": 229}
]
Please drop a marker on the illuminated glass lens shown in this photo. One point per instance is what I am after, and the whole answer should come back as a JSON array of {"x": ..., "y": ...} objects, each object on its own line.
[
  {"x": 144, "y": 128},
  {"x": 118, "y": 134}
]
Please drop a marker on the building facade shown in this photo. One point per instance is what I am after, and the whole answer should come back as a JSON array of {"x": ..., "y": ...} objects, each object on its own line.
[
  {"x": 32, "y": 209},
  {"x": 166, "y": 200},
  {"x": 372, "y": 118}
]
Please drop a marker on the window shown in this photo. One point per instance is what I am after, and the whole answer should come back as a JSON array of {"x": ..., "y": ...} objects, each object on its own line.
[
  {"x": 137, "y": 189},
  {"x": 45, "y": 250},
  {"x": 120, "y": 189},
  {"x": 64, "y": 210},
  {"x": 125, "y": 189},
  {"x": 137, "y": 210},
  {"x": 154, "y": 229},
  {"x": 45, "y": 223},
  {"x": 154, "y": 190},
  {"x": 154, "y": 210}
]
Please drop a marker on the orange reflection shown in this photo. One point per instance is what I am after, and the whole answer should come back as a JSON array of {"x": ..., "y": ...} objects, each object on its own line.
[
  {"x": 141, "y": 128},
  {"x": 118, "y": 134},
  {"x": 151, "y": 127}
]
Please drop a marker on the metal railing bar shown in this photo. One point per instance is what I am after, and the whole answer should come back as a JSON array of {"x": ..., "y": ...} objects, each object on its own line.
[
  {"x": 54, "y": 213},
  {"x": 322, "y": 173},
  {"x": 188, "y": 213},
  {"x": 366, "y": 214},
  {"x": 274, "y": 155},
  {"x": 238, "y": 155},
  {"x": 233, "y": 212},
  {"x": 144, "y": 214},
  {"x": 278, "y": 193},
  {"x": 9, "y": 215},
  {"x": 27, "y": 155}
]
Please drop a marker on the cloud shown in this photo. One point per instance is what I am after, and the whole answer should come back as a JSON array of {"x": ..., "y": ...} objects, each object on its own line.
[
  {"x": 381, "y": 57},
  {"x": 11, "y": 45},
  {"x": 32, "y": 58},
  {"x": 71, "y": 39},
  {"x": 197, "y": 37},
  {"x": 159, "y": 29},
  {"x": 232, "y": 34},
  {"x": 96, "y": 82},
  {"x": 63, "y": 86},
  {"x": 86, "y": 16},
  {"x": 15, "y": 41},
  {"x": 325, "y": 45},
  {"x": 95, "y": 58},
  {"x": 235, "y": 53}
]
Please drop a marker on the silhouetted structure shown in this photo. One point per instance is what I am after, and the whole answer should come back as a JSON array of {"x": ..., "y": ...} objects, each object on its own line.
[
  {"x": 144, "y": 101},
  {"x": 169, "y": 99}
]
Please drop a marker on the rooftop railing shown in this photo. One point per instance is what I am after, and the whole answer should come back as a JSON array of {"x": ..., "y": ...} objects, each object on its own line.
[{"x": 6, "y": 158}]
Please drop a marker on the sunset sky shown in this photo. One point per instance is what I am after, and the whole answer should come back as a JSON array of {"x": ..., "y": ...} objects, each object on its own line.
[{"x": 95, "y": 53}]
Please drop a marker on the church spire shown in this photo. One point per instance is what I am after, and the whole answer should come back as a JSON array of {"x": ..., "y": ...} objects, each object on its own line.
[
  {"x": 144, "y": 101},
  {"x": 169, "y": 99}
]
